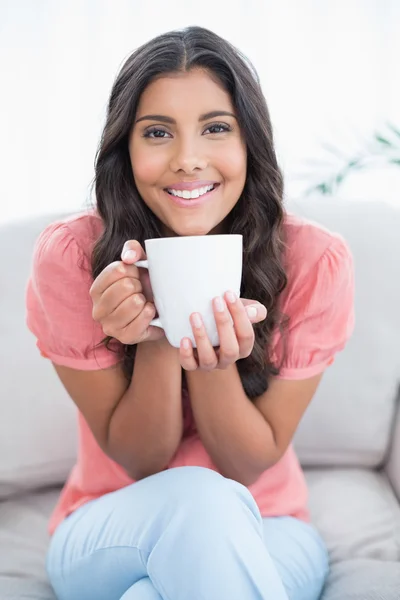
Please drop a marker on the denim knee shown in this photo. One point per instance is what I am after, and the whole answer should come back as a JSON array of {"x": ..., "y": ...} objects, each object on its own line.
[{"x": 208, "y": 497}]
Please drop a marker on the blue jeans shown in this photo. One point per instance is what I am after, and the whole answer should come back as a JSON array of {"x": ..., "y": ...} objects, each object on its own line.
[{"x": 184, "y": 534}]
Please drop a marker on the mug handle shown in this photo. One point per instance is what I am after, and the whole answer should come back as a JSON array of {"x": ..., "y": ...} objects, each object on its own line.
[{"x": 144, "y": 264}]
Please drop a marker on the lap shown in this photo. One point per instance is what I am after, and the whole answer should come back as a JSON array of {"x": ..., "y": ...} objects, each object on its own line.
[{"x": 105, "y": 543}]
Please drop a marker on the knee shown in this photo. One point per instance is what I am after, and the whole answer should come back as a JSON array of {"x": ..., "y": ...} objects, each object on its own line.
[{"x": 206, "y": 494}]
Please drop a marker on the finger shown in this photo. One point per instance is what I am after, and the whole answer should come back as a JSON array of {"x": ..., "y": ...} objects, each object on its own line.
[
  {"x": 127, "y": 312},
  {"x": 256, "y": 313},
  {"x": 206, "y": 355},
  {"x": 132, "y": 251},
  {"x": 241, "y": 322},
  {"x": 255, "y": 310},
  {"x": 139, "y": 329},
  {"x": 186, "y": 355},
  {"x": 109, "y": 275},
  {"x": 114, "y": 295},
  {"x": 228, "y": 343}
]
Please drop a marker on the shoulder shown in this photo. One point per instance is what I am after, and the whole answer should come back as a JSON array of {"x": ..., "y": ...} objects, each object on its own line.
[
  {"x": 319, "y": 266},
  {"x": 311, "y": 250},
  {"x": 71, "y": 236},
  {"x": 58, "y": 302},
  {"x": 318, "y": 298},
  {"x": 307, "y": 241},
  {"x": 63, "y": 250}
]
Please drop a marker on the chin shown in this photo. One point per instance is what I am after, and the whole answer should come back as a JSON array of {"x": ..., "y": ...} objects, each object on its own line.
[{"x": 193, "y": 230}]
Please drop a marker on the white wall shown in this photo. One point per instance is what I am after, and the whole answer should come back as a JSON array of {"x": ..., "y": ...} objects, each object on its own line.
[{"x": 329, "y": 71}]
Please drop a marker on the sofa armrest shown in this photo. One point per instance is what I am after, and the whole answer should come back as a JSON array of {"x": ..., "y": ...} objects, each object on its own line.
[{"x": 393, "y": 462}]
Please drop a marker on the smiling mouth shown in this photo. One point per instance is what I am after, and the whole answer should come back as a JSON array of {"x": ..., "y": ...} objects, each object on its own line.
[{"x": 192, "y": 194}]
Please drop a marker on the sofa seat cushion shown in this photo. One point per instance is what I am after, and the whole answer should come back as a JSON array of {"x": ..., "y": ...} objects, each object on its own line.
[
  {"x": 355, "y": 510},
  {"x": 363, "y": 579},
  {"x": 23, "y": 546}
]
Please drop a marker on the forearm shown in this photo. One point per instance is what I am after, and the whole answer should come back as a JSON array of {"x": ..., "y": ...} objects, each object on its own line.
[
  {"x": 233, "y": 431},
  {"x": 149, "y": 414}
]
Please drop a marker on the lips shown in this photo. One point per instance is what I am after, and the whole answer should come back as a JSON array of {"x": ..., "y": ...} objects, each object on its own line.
[
  {"x": 191, "y": 194},
  {"x": 192, "y": 198}
]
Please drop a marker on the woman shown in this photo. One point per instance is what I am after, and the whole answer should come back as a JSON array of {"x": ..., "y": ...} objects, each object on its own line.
[{"x": 186, "y": 484}]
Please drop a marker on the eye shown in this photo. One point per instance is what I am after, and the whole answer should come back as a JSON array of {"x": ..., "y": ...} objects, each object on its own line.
[
  {"x": 155, "y": 133},
  {"x": 218, "y": 128}
]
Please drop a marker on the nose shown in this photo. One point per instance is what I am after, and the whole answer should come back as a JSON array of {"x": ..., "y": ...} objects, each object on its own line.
[{"x": 188, "y": 157}]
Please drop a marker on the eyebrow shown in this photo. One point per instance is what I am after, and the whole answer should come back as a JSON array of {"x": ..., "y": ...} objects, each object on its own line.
[{"x": 170, "y": 121}]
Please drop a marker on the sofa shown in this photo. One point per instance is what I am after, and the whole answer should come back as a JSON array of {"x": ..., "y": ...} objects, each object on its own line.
[{"x": 348, "y": 441}]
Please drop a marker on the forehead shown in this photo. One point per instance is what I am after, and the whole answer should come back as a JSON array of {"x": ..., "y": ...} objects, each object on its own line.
[{"x": 193, "y": 92}]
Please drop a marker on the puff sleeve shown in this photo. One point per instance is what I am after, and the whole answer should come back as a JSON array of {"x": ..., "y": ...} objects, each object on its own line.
[
  {"x": 59, "y": 306},
  {"x": 321, "y": 315}
]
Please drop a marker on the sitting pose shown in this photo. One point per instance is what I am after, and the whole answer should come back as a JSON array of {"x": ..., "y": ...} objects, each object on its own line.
[{"x": 186, "y": 485}]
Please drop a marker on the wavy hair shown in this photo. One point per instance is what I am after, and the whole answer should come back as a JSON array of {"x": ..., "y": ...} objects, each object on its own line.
[{"x": 258, "y": 214}]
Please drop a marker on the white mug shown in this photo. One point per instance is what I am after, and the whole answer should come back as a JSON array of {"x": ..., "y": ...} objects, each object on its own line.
[{"x": 186, "y": 273}]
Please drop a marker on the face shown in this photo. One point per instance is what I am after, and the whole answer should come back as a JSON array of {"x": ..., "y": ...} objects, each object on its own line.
[{"x": 187, "y": 153}]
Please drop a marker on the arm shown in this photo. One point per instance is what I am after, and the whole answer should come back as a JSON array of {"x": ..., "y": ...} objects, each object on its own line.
[
  {"x": 139, "y": 426},
  {"x": 245, "y": 438}
]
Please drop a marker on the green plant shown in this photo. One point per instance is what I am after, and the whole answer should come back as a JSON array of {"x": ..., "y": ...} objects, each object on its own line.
[{"x": 383, "y": 149}]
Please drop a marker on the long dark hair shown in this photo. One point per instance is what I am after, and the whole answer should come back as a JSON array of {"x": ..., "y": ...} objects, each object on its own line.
[{"x": 258, "y": 214}]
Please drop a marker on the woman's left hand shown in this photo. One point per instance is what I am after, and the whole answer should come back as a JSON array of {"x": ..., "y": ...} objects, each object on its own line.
[{"x": 236, "y": 340}]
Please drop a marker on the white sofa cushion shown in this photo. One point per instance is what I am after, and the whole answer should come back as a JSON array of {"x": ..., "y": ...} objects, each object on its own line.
[
  {"x": 38, "y": 435},
  {"x": 356, "y": 512},
  {"x": 349, "y": 422}
]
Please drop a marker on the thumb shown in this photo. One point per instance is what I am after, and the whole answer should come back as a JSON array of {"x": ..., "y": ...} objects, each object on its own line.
[{"x": 132, "y": 251}]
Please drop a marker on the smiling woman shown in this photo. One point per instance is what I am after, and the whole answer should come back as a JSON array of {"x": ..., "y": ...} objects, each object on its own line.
[
  {"x": 186, "y": 470},
  {"x": 187, "y": 109},
  {"x": 186, "y": 156}
]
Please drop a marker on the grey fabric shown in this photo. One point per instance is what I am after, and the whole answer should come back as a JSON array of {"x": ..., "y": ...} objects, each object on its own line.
[
  {"x": 393, "y": 462},
  {"x": 23, "y": 533},
  {"x": 363, "y": 580},
  {"x": 356, "y": 512},
  {"x": 25, "y": 588}
]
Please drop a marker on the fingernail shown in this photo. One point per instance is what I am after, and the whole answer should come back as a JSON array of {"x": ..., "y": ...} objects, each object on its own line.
[
  {"x": 231, "y": 297},
  {"x": 129, "y": 255},
  {"x": 197, "y": 322},
  {"x": 186, "y": 343},
  {"x": 251, "y": 311},
  {"x": 219, "y": 304}
]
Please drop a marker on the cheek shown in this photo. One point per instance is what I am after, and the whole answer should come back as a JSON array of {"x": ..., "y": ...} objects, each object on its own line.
[
  {"x": 147, "y": 167},
  {"x": 232, "y": 164}
]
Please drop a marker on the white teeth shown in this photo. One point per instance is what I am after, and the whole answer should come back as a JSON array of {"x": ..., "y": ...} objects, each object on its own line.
[{"x": 189, "y": 194}]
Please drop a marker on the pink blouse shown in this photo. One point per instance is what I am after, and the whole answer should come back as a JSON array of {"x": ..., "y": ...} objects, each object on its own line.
[{"x": 318, "y": 300}]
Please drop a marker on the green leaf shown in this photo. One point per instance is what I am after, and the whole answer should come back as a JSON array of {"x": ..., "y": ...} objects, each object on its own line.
[
  {"x": 324, "y": 188},
  {"x": 339, "y": 178},
  {"x": 382, "y": 140},
  {"x": 356, "y": 163},
  {"x": 394, "y": 129},
  {"x": 395, "y": 161}
]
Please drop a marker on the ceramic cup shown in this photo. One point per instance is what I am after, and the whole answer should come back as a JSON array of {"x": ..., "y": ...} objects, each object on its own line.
[{"x": 186, "y": 273}]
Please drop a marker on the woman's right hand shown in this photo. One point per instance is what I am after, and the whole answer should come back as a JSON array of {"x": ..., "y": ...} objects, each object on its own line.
[{"x": 123, "y": 301}]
